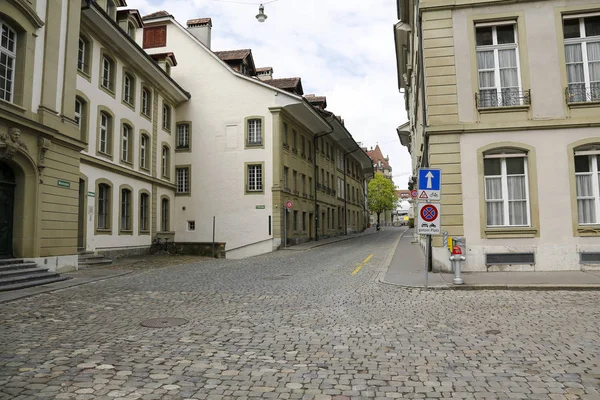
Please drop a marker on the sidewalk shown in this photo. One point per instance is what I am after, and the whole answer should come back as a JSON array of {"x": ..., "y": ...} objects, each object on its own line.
[{"x": 406, "y": 267}]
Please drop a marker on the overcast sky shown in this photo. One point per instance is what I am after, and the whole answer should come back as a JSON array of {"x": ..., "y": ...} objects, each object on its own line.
[{"x": 343, "y": 49}]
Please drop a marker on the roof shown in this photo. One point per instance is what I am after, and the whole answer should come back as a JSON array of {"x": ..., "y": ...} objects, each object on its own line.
[
  {"x": 264, "y": 69},
  {"x": 199, "y": 22},
  {"x": 294, "y": 84},
  {"x": 159, "y": 56},
  {"x": 158, "y": 14},
  {"x": 316, "y": 100},
  {"x": 134, "y": 13},
  {"x": 230, "y": 55},
  {"x": 403, "y": 194},
  {"x": 376, "y": 155}
]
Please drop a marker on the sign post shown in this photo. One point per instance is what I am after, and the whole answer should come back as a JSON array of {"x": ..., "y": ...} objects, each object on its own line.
[
  {"x": 287, "y": 207},
  {"x": 429, "y": 185}
]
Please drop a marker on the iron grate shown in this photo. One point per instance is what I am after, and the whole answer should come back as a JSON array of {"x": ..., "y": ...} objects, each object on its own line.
[
  {"x": 509, "y": 258},
  {"x": 589, "y": 258}
]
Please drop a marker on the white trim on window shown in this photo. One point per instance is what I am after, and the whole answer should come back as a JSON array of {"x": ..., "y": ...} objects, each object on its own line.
[
  {"x": 78, "y": 112},
  {"x": 497, "y": 23},
  {"x": 575, "y": 16},
  {"x": 8, "y": 49}
]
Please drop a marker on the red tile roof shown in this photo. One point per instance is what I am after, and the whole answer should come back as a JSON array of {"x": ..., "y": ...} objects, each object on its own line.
[
  {"x": 293, "y": 85},
  {"x": 264, "y": 69},
  {"x": 376, "y": 155},
  {"x": 317, "y": 100},
  {"x": 121, "y": 14},
  {"x": 199, "y": 21},
  {"x": 159, "y": 56},
  {"x": 230, "y": 55},
  {"x": 158, "y": 14}
]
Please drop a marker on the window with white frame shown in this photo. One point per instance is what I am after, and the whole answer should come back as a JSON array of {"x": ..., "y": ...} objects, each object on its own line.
[
  {"x": 498, "y": 65},
  {"x": 183, "y": 180},
  {"x": 104, "y": 133},
  {"x": 191, "y": 226},
  {"x": 8, "y": 56},
  {"x": 78, "y": 112},
  {"x": 146, "y": 97},
  {"x": 286, "y": 173},
  {"x": 144, "y": 141},
  {"x": 582, "y": 55},
  {"x": 164, "y": 215},
  {"x": 506, "y": 189},
  {"x": 81, "y": 54},
  {"x": 587, "y": 175},
  {"x": 144, "y": 211},
  {"x": 125, "y": 209},
  {"x": 254, "y": 132},
  {"x": 128, "y": 87},
  {"x": 183, "y": 136},
  {"x": 125, "y": 142},
  {"x": 255, "y": 183},
  {"x": 166, "y": 117},
  {"x": 107, "y": 73},
  {"x": 165, "y": 162},
  {"x": 103, "y": 221}
]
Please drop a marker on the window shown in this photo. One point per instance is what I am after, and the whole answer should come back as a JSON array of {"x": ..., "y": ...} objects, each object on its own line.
[
  {"x": 304, "y": 221},
  {"x": 125, "y": 209},
  {"x": 183, "y": 136},
  {"x": 125, "y": 143},
  {"x": 81, "y": 55},
  {"x": 255, "y": 183},
  {"x": 506, "y": 189},
  {"x": 165, "y": 162},
  {"x": 303, "y": 185},
  {"x": 183, "y": 180},
  {"x": 146, "y": 101},
  {"x": 107, "y": 75},
  {"x": 582, "y": 55},
  {"x": 131, "y": 30},
  {"x": 295, "y": 181},
  {"x": 103, "y": 206},
  {"x": 144, "y": 146},
  {"x": 285, "y": 136},
  {"x": 254, "y": 136},
  {"x": 303, "y": 148},
  {"x": 286, "y": 173},
  {"x": 294, "y": 142},
  {"x": 8, "y": 55},
  {"x": 166, "y": 117},
  {"x": 191, "y": 226},
  {"x": 295, "y": 225},
  {"x": 128, "y": 88},
  {"x": 155, "y": 36},
  {"x": 164, "y": 215},
  {"x": 78, "y": 112},
  {"x": 498, "y": 66},
  {"x": 587, "y": 175},
  {"x": 105, "y": 131},
  {"x": 144, "y": 211},
  {"x": 310, "y": 186}
]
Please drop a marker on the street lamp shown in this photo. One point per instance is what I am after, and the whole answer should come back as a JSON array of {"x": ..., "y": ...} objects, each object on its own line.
[{"x": 261, "y": 16}]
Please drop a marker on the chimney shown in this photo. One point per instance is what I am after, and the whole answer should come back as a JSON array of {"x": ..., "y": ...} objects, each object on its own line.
[
  {"x": 201, "y": 29},
  {"x": 265, "y": 73}
]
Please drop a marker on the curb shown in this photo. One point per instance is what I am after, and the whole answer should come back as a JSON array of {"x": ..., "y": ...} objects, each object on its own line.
[{"x": 67, "y": 284}]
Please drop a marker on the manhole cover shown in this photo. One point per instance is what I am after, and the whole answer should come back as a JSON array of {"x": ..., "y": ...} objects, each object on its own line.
[
  {"x": 163, "y": 322},
  {"x": 492, "y": 332}
]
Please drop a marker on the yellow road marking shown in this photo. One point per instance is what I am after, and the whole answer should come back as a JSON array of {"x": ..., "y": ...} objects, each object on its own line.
[{"x": 361, "y": 265}]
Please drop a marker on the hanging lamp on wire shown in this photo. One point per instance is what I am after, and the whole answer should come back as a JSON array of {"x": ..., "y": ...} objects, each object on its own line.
[{"x": 261, "y": 16}]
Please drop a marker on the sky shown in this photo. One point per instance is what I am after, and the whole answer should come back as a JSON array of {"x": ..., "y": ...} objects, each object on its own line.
[{"x": 342, "y": 49}]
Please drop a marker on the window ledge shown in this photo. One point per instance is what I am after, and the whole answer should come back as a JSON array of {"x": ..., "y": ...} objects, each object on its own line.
[
  {"x": 144, "y": 232},
  {"x": 12, "y": 106},
  {"x": 148, "y": 117},
  {"x": 125, "y": 232},
  {"x": 108, "y": 91},
  {"x": 183, "y": 194},
  {"x": 183, "y": 149},
  {"x": 126, "y": 162},
  {"x": 103, "y": 231},
  {"x": 590, "y": 230},
  {"x": 510, "y": 232},
  {"x": 586, "y": 104},
  {"x": 255, "y": 192},
  {"x": 85, "y": 75},
  {"x": 104, "y": 155},
  {"x": 128, "y": 104},
  {"x": 504, "y": 109}
]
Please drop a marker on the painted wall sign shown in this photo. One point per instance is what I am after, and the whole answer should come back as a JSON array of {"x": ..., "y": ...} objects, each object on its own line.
[
  {"x": 65, "y": 184},
  {"x": 260, "y": 207},
  {"x": 92, "y": 194}
]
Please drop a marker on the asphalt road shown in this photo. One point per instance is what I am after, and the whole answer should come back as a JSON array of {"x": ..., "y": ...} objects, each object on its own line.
[{"x": 308, "y": 324}]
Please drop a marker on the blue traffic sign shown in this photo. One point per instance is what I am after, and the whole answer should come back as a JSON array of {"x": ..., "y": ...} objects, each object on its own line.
[{"x": 430, "y": 179}]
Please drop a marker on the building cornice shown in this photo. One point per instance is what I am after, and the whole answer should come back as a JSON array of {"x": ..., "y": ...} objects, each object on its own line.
[
  {"x": 431, "y": 5},
  {"x": 526, "y": 126},
  {"x": 28, "y": 12}
]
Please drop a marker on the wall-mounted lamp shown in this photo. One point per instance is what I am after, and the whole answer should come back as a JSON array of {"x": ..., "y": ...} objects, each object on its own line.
[{"x": 261, "y": 16}]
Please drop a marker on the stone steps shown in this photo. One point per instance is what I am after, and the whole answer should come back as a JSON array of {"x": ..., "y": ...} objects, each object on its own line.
[
  {"x": 19, "y": 274},
  {"x": 88, "y": 259}
]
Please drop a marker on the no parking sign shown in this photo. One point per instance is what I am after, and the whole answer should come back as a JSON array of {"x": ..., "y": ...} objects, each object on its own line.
[{"x": 429, "y": 218}]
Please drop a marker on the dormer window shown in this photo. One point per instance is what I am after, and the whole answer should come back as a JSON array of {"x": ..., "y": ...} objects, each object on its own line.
[
  {"x": 168, "y": 68},
  {"x": 131, "y": 30}
]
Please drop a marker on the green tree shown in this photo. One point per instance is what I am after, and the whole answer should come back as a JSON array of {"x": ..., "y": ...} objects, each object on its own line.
[{"x": 382, "y": 195}]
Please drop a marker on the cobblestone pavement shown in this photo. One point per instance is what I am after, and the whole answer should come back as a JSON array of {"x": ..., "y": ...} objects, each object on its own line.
[{"x": 298, "y": 325}]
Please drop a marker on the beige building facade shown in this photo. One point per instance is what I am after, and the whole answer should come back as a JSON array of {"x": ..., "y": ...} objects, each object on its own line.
[{"x": 511, "y": 117}]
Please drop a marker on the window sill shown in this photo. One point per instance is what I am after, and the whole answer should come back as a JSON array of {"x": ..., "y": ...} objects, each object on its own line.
[
  {"x": 510, "y": 232},
  {"x": 255, "y": 192},
  {"x": 255, "y": 146},
  {"x": 491, "y": 110},
  {"x": 103, "y": 231},
  {"x": 104, "y": 155},
  {"x": 12, "y": 106},
  {"x": 183, "y": 149},
  {"x": 128, "y": 104},
  {"x": 85, "y": 75},
  {"x": 590, "y": 230},
  {"x": 107, "y": 91},
  {"x": 148, "y": 117},
  {"x": 126, "y": 163},
  {"x": 144, "y": 169},
  {"x": 166, "y": 130},
  {"x": 586, "y": 104},
  {"x": 144, "y": 233},
  {"x": 126, "y": 232},
  {"x": 183, "y": 194}
]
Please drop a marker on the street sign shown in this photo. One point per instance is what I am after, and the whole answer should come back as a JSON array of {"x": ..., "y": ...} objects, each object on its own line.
[
  {"x": 414, "y": 193},
  {"x": 429, "y": 219},
  {"x": 429, "y": 184},
  {"x": 65, "y": 184},
  {"x": 289, "y": 204}
]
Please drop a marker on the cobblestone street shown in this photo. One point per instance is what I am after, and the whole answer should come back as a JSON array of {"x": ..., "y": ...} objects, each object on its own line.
[{"x": 298, "y": 325}]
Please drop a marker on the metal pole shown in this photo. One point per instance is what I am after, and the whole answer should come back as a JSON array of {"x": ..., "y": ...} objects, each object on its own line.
[
  {"x": 213, "y": 243},
  {"x": 284, "y": 226},
  {"x": 428, "y": 249}
]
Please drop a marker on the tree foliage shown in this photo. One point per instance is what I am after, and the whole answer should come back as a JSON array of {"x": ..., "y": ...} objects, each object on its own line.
[{"x": 382, "y": 194}]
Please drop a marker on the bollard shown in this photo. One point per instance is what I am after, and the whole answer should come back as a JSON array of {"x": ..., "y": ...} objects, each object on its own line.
[{"x": 456, "y": 258}]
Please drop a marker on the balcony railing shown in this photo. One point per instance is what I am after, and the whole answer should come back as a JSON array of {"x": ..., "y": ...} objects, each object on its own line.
[
  {"x": 286, "y": 146},
  {"x": 504, "y": 98},
  {"x": 581, "y": 94},
  {"x": 295, "y": 150}
]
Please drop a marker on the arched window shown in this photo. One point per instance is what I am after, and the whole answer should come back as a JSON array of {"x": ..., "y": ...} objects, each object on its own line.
[
  {"x": 144, "y": 151},
  {"x": 126, "y": 205},
  {"x": 126, "y": 143},
  {"x": 128, "y": 88},
  {"x": 105, "y": 133},
  {"x": 164, "y": 215},
  {"x": 587, "y": 182},
  {"x": 104, "y": 194},
  {"x": 144, "y": 212}
]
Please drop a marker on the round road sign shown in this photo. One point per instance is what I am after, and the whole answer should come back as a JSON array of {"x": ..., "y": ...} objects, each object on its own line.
[
  {"x": 289, "y": 204},
  {"x": 413, "y": 193},
  {"x": 429, "y": 213}
]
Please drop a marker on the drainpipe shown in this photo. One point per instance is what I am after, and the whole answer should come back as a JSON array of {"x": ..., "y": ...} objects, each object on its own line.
[{"x": 345, "y": 193}]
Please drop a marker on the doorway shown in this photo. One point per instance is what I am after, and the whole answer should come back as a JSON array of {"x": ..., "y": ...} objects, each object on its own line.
[
  {"x": 7, "y": 197},
  {"x": 81, "y": 216}
]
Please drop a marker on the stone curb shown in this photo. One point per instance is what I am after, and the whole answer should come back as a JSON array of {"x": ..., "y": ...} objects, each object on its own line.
[{"x": 524, "y": 287}]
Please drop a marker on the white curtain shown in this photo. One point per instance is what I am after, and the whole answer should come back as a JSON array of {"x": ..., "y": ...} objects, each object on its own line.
[
  {"x": 586, "y": 210},
  {"x": 494, "y": 202},
  {"x": 575, "y": 75},
  {"x": 517, "y": 200},
  {"x": 487, "y": 78},
  {"x": 593, "y": 53}
]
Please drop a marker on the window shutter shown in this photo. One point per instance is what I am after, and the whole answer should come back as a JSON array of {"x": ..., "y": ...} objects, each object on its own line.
[{"x": 155, "y": 37}]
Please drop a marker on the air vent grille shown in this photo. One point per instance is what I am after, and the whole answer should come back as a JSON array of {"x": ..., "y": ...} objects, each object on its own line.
[
  {"x": 589, "y": 258},
  {"x": 509, "y": 258}
]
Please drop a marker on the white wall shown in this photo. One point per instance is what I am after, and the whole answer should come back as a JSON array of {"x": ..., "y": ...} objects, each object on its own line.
[{"x": 556, "y": 248}]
